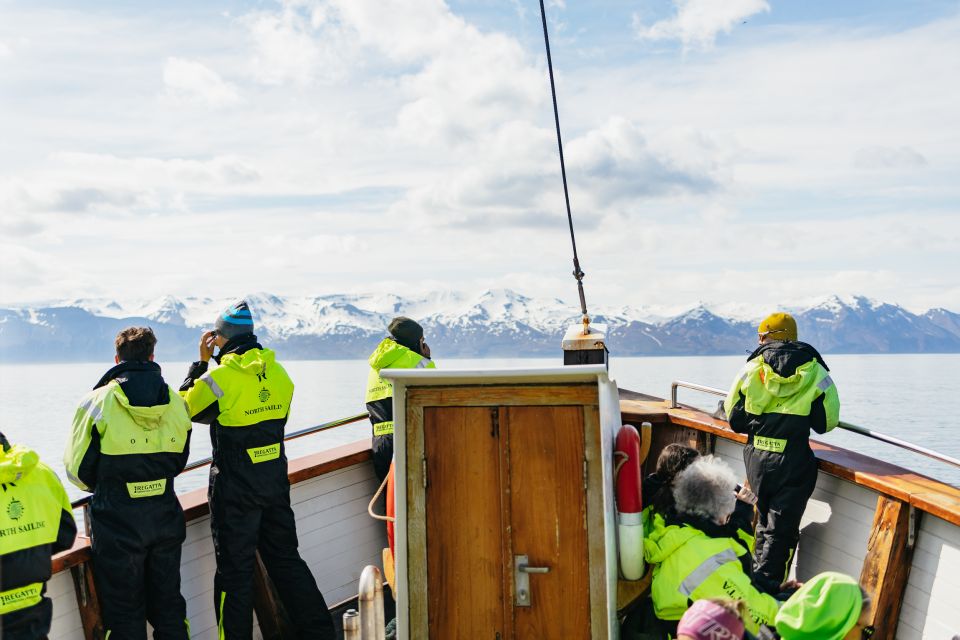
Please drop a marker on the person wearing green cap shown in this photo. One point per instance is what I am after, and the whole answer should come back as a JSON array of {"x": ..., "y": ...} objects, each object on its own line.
[
  {"x": 405, "y": 348},
  {"x": 781, "y": 394},
  {"x": 829, "y": 606},
  {"x": 36, "y": 521}
]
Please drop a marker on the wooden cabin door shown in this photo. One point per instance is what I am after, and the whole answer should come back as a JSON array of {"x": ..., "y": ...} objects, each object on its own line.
[
  {"x": 548, "y": 522},
  {"x": 506, "y": 522},
  {"x": 464, "y": 526}
]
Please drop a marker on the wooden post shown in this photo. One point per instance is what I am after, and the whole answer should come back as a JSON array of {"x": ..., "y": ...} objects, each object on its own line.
[
  {"x": 274, "y": 623},
  {"x": 87, "y": 602},
  {"x": 664, "y": 435},
  {"x": 886, "y": 566}
]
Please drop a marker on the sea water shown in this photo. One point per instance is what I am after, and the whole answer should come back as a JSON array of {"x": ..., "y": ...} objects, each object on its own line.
[{"x": 913, "y": 397}]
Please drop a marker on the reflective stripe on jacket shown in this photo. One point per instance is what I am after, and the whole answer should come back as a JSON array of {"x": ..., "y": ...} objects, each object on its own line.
[
  {"x": 246, "y": 401},
  {"x": 690, "y": 566},
  {"x": 114, "y": 439},
  {"x": 782, "y": 392},
  {"x": 248, "y": 388},
  {"x": 389, "y": 354}
]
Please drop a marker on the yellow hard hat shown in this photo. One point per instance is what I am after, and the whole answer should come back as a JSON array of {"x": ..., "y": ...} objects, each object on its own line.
[{"x": 778, "y": 326}]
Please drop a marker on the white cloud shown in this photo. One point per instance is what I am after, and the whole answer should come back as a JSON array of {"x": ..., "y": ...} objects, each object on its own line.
[
  {"x": 191, "y": 81},
  {"x": 112, "y": 185},
  {"x": 481, "y": 84},
  {"x": 20, "y": 225},
  {"x": 888, "y": 158},
  {"x": 793, "y": 115},
  {"x": 299, "y": 43},
  {"x": 698, "y": 22},
  {"x": 455, "y": 81},
  {"x": 616, "y": 164},
  {"x": 361, "y": 123},
  {"x": 24, "y": 271},
  {"x": 218, "y": 171},
  {"x": 515, "y": 181}
]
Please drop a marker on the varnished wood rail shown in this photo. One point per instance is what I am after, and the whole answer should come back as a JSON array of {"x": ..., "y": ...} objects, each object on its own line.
[
  {"x": 273, "y": 622},
  {"x": 903, "y": 496}
]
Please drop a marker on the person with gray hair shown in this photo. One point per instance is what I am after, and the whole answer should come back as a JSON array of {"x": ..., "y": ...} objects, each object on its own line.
[
  {"x": 708, "y": 491},
  {"x": 694, "y": 555}
]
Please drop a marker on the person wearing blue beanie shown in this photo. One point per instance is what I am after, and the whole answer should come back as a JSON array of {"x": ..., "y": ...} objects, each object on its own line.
[{"x": 246, "y": 401}]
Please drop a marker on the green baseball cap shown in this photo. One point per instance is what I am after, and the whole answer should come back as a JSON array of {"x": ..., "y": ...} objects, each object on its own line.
[{"x": 826, "y": 607}]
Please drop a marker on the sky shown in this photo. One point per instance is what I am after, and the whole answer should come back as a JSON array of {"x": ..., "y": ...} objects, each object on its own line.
[{"x": 751, "y": 152}]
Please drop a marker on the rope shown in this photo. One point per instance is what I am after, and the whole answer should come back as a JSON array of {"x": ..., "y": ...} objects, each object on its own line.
[
  {"x": 577, "y": 271},
  {"x": 622, "y": 459},
  {"x": 375, "y": 497}
]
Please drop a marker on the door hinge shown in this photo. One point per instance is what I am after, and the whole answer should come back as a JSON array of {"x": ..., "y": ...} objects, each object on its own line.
[
  {"x": 423, "y": 468},
  {"x": 495, "y": 422},
  {"x": 586, "y": 482}
]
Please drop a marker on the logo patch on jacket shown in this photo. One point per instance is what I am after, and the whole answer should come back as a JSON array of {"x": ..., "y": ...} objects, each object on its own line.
[
  {"x": 264, "y": 394},
  {"x": 15, "y": 509}
]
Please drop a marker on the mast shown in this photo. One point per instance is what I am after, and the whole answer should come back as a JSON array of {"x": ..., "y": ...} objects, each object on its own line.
[{"x": 581, "y": 345}]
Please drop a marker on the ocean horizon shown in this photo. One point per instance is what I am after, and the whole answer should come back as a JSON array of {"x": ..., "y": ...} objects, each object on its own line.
[{"x": 915, "y": 397}]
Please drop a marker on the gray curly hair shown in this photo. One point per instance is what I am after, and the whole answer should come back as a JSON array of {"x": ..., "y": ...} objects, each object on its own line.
[{"x": 706, "y": 488}]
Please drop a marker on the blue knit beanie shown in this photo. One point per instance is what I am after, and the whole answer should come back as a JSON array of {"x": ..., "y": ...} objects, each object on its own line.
[{"x": 236, "y": 320}]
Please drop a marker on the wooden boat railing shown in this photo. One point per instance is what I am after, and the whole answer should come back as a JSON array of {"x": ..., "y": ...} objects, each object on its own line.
[
  {"x": 870, "y": 433},
  {"x": 903, "y": 496},
  {"x": 203, "y": 462},
  {"x": 76, "y": 558}
]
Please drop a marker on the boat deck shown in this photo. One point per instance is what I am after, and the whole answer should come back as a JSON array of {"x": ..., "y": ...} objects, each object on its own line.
[{"x": 897, "y": 530}]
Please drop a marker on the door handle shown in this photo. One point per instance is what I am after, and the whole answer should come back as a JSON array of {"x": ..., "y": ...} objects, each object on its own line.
[
  {"x": 528, "y": 569},
  {"x": 521, "y": 579}
]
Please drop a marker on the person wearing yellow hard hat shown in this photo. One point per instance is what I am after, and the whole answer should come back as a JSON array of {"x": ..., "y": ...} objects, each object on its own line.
[{"x": 781, "y": 394}]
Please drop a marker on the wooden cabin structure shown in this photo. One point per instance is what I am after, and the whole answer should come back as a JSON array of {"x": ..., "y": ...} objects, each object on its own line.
[{"x": 505, "y": 521}]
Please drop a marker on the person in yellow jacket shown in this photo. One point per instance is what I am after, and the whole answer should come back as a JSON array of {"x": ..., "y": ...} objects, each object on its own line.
[
  {"x": 36, "y": 521},
  {"x": 246, "y": 401},
  {"x": 657, "y": 492},
  {"x": 405, "y": 348},
  {"x": 130, "y": 439},
  {"x": 781, "y": 394},
  {"x": 693, "y": 555}
]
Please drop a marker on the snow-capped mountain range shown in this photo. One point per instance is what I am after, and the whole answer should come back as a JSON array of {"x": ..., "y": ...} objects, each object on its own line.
[{"x": 493, "y": 323}]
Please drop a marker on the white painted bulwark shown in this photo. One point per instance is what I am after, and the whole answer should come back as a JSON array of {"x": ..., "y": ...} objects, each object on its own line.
[
  {"x": 732, "y": 453},
  {"x": 835, "y": 528},
  {"x": 66, "y": 623},
  {"x": 337, "y": 539},
  {"x": 836, "y": 524},
  {"x": 931, "y": 604}
]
